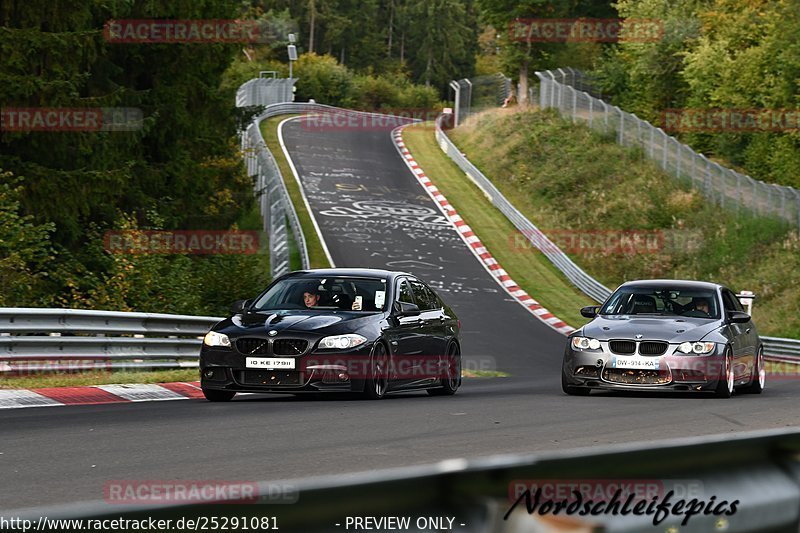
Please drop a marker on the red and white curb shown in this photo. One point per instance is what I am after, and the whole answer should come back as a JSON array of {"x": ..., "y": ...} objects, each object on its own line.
[
  {"x": 475, "y": 244},
  {"x": 99, "y": 394}
]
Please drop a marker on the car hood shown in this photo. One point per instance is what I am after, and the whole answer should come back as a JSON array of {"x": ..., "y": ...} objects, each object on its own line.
[
  {"x": 255, "y": 323},
  {"x": 670, "y": 329}
]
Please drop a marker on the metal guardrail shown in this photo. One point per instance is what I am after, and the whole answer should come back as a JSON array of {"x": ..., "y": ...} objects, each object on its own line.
[
  {"x": 587, "y": 284},
  {"x": 760, "y": 471},
  {"x": 775, "y": 349},
  {"x": 778, "y": 349},
  {"x": 37, "y": 340},
  {"x": 265, "y": 91}
]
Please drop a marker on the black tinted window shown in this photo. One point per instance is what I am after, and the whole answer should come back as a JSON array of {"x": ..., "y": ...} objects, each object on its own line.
[
  {"x": 434, "y": 300},
  {"x": 732, "y": 303},
  {"x": 423, "y": 296},
  {"x": 404, "y": 292}
]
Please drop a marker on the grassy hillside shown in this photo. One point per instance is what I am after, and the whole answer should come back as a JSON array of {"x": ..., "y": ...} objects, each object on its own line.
[
  {"x": 533, "y": 272},
  {"x": 576, "y": 184}
]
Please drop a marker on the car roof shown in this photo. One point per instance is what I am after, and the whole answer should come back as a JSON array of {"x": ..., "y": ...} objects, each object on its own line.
[
  {"x": 677, "y": 283},
  {"x": 360, "y": 272}
]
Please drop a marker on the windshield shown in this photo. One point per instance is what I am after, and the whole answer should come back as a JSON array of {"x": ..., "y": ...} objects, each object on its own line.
[
  {"x": 697, "y": 303},
  {"x": 325, "y": 294}
]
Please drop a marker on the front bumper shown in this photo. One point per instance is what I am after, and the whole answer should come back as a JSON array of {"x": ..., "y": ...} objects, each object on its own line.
[
  {"x": 328, "y": 371},
  {"x": 595, "y": 369}
]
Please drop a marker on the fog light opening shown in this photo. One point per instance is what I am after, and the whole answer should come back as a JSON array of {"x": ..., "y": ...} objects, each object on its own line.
[
  {"x": 344, "y": 376},
  {"x": 208, "y": 374}
]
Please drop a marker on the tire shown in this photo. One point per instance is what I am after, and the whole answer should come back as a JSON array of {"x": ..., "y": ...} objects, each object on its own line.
[
  {"x": 213, "y": 395},
  {"x": 450, "y": 384},
  {"x": 571, "y": 390},
  {"x": 725, "y": 382},
  {"x": 376, "y": 385},
  {"x": 758, "y": 380}
]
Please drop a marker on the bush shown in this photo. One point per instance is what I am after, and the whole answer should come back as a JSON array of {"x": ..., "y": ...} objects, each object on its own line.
[{"x": 324, "y": 80}]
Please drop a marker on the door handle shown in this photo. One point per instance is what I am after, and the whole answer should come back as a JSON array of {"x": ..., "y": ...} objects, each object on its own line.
[
  {"x": 442, "y": 318},
  {"x": 747, "y": 330}
]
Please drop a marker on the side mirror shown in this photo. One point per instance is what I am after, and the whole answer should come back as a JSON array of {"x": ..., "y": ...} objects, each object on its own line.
[
  {"x": 405, "y": 309},
  {"x": 738, "y": 317},
  {"x": 590, "y": 311},
  {"x": 240, "y": 305}
]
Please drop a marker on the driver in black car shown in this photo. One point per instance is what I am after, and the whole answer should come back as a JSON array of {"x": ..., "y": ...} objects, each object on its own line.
[{"x": 310, "y": 296}]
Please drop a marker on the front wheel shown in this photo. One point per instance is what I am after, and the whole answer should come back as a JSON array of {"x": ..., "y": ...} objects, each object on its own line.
[
  {"x": 759, "y": 376},
  {"x": 218, "y": 395},
  {"x": 377, "y": 383},
  {"x": 452, "y": 381},
  {"x": 726, "y": 378}
]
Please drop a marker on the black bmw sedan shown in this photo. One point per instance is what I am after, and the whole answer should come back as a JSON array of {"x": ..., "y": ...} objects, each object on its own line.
[
  {"x": 335, "y": 330},
  {"x": 666, "y": 335}
]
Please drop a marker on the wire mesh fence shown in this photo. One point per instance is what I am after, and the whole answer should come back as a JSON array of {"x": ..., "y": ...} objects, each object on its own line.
[
  {"x": 568, "y": 90},
  {"x": 473, "y": 95}
]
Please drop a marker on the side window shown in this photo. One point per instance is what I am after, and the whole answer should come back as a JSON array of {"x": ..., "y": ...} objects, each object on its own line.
[
  {"x": 404, "y": 292},
  {"x": 434, "y": 300},
  {"x": 732, "y": 303},
  {"x": 421, "y": 295}
]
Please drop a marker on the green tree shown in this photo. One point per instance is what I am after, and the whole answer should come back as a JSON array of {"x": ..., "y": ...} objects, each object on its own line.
[
  {"x": 24, "y": 247},
  {"x": 520, "y": 54}
]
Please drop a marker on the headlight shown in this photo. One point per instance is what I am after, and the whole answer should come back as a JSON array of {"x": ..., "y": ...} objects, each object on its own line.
[
  {"x": 585, "y": 343},
  {"x": 342, "y": 342},
  {"x": 213, "y": 338},
  {"x": 697, "y": 347}
]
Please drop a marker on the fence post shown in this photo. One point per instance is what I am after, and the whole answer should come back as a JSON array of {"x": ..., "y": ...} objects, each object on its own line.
[
  {"x": 621, "y": 125},
  {"x": 457, "y": 89},
  {"x": 755, "y": 197},
  {"x": 652, "y": 140},
  {"x": 574, "y": 104},
  {"x": 769, "y": 198},
  {"x": 591, "y": 109},
  {"x": 605, "y": 114},
  {"x": 738, "y": 191},
  {"x": 664, "y": 151},
  {"x": 783, "y": 203},
  {"x": 469, "y": 98}
]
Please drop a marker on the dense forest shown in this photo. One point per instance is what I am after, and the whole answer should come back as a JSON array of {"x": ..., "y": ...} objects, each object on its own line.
[{"x": 180, "y": 169}]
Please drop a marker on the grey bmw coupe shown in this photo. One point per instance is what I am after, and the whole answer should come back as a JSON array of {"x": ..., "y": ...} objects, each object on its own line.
[{"x": 666, "y": 335}]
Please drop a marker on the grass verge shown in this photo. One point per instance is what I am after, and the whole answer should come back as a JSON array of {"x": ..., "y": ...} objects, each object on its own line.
[
  {"x": 316, "y": 254},
  {"x": 530, "y": 269},
  {"x": 62, "y": 379}
]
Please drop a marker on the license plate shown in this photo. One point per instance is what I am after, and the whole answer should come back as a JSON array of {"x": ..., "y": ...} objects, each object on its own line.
[
  {"x": 282, "y": 363},
  {"x": 637, "y": 363}
]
